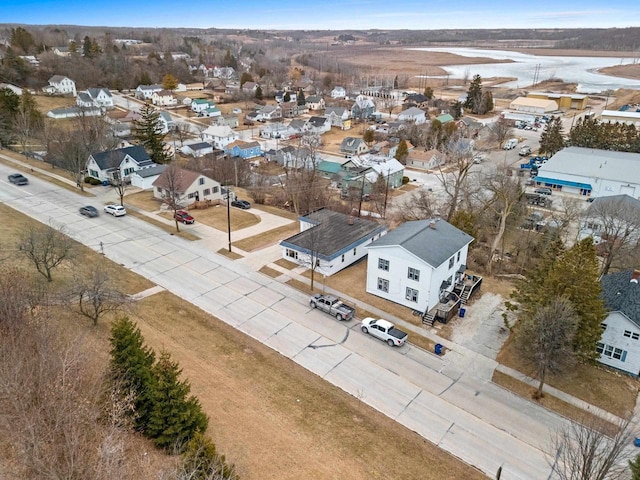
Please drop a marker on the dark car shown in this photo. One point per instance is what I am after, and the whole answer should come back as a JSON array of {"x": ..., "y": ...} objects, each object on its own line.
[
  {"x": 543, "y": 191},
  {"x": 18, "y": 179},
  {"x": 184, "y": 217},
  {"x": 89, "y": 211},
  {"x": 243, "y": 204}
]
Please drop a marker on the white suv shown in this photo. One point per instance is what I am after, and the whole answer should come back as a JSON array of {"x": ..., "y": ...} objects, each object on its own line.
[{"x": 115, "y": 210}]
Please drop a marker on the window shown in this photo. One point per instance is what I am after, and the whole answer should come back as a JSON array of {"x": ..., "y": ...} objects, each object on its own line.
[
  {"x": 206, "y": 191},
  {"x": 128, "y": 171},
  {"x": 451, "y": 262},
  {"x": 93, "y": 173},
  {"x": 635, "y": 336},
  {"x": 608, "y": 351},
  {"x": 214, "y": 190},
  {"x": 201, "y": 181},
  {"x": 414, "y": 274},
  {"x": 627, "y": 333},
  {"x": 291, "y": 253},
  {"x": 411, "y": 295},
  {"x": 449, "y": 280},
  {"x": 383, "y": 284},
  {"x": 600, "y": 348},
  {"x": 354, "y": 251},
  {"x": 617, "y": 353},
  {"x": 603, "y": 326},
  {"x": 458, "y": 258},
  {"x": 383, "y": 264},
  {"x": 191, "y": 195}
]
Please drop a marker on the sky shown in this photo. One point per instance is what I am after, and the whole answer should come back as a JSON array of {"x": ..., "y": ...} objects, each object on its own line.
[{"x": 326, "y": 14}]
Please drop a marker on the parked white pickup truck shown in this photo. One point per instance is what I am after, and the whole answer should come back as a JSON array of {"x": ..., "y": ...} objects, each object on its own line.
[
  {"x": 384, "y": 330},
  {"x": 333, "y": 306}
]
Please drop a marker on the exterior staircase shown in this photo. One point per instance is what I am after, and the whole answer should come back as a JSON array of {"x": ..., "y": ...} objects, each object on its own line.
[
  {"x": 465, "y": 294},
  {"x": 429, "y": 319}
]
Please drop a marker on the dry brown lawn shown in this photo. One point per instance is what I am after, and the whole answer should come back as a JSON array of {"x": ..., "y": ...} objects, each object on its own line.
[
  {"x": 267, "y": 238},
  {"x": 599, "y": 386},
  {"x": 47, "y": 102},
  {"x": 269, "y": 272},
  {"x": 332, "y": 140},
  {"x": 143, "y": 200},
  {"x": 216, "y": 217},
  {"x": 170, "y": 229},
  {"x": 552, "y": 403},
  {"x": 229, "y": 254},
  {"x": 284, "y": 263}
]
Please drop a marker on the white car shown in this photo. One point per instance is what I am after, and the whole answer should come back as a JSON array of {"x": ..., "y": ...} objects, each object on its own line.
[{"x": 115, "y": 210}]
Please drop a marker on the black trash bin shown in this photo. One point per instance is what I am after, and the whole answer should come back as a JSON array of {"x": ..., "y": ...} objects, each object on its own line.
[{"x": 437, "y": 348}]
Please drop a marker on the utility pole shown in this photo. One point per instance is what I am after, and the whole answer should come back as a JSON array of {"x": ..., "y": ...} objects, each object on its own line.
[
  {"x": 229, "y": 215},
  {"x": 361, "y": 194},
  {"x": 386, "y": 195}
]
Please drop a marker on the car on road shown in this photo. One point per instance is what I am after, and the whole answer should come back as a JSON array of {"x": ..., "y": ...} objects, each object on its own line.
[
  {"x": 18, "y": 179},
  {"x": 243, "y": 204},
  {"x": 524, "y": 151},
  {"x": 89, "y": 211},
  {"x": 542, "y": 191},
  {"x": 184, "y": 217},
  {"x": 115, "y": 210},
  {"x": 384, "y": 330},
  {"x": 333, "y": 306}
]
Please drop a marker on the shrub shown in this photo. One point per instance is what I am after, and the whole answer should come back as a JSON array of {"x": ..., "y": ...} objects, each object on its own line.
[
  {"x": 92, "y": 181},
  {"x": 405, "y": 180}
]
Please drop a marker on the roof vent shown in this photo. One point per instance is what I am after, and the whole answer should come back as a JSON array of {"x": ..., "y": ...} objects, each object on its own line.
[
  {"x": 432, "y": 224},
  {"x": 635, "y": 276}
]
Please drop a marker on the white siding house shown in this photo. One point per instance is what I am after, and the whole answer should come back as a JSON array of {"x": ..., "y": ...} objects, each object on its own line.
[
  {"x": 119, "y": 163},
  {"x": 220, "y": 137},
  {"x": 60, "y": 85},
  {"x": 330, "y": 239},
  {"x": 619, "y": 346},
  {"x": 415, "y": 264},
  {"x": 145, "y": 177},
  {"x": 189, "y": 186},
  {"x": 413, "y": 115}
]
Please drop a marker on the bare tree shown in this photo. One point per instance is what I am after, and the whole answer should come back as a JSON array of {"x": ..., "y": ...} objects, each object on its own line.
[
  {"x": 617, "y": 219},
  {"x": 312, "y": 243},
  {"x": 46, "y": 246},
  {"x": 545, "y": 340},
  {"x": 94, "y": 294},
  {"x": 453, "y": 176},
  {"x": 584, "y": 451},
  {"x": 419, "y": 206},
  {"x": 506, "y": 195},
  {"x": 499, "y": 131},
  {"x": 19, "y": 295},
  {"x": 173, "y": 190},
  {"x": 121, "y": 185}
]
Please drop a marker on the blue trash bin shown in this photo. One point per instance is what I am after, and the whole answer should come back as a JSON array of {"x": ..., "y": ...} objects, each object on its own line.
[
  {"x": 636, "y": 442},
  {"x": 105, "y": 183},
  {"x": 462, "y": 312},
  {"x": 437, "y": 348}
]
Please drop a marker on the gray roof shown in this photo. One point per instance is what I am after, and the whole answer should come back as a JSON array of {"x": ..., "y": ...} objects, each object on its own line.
[
  {"x": 589, "y": 162},
  {"x": 339, "y": 111},
  {"x": 411, "y": 112},
  {"x": 350, "y": 144},
  {"x": 57, "y": 78},
  {"x": 113, "y": 158},
  {"x": 151, "y": 171},
  {"x": 85, "y": 97},
  {"x": 199, "y": 146},
  {"x": 318, "y": 121},
  {"x": 622, "y": 295},
  {"x": 94, "y": 92},
  {"x": 617, "y": 201},
  {"x": 332, "y": 235},
  {"x": 433, "y": 245}
]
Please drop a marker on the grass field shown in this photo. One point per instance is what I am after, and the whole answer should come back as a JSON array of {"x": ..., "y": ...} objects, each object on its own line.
[{"x": 267, "y": 238}]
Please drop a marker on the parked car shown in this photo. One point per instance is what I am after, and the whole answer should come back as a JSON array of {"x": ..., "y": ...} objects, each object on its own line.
[
  {"x": 18, "y": 179},
  {"x": 543, "y": 191},
  {"x": 243, "y": 204},
  {"x": 510, "y": 144},
  {"x": 385, "y": 331},
  {"x": 89, "y": 211},
  {"x": 332, "y": 305},
  {"x": 115, "y": 210},
  {"x": 524, "y": 151},
  {"x": 184, "y": 217}
]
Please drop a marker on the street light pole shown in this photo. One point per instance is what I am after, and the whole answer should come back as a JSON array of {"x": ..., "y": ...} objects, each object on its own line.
[{"x": 229, "y": 217}]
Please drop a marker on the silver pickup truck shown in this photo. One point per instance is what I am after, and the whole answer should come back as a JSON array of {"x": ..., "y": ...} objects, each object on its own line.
[{"x": 333, "y": 306}]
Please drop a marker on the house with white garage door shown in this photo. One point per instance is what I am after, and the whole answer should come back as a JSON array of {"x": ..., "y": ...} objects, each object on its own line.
[{"x": 592, "y": 172}]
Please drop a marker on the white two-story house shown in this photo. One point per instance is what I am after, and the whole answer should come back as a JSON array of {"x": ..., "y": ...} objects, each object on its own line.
[
  {"x": 219, "y": 136},
  {"x": 619, "y": 346},
  {"x": 61, "y": 85},
  {"x": 417, "y": 263},
  {"x": 164, "y": 98},
  {"x": 95, "y": 97}
]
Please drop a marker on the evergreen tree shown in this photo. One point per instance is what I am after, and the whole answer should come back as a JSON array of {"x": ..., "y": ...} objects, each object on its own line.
[
  {"x": 131, "y": 368},
  {"x": 456, "y": 109},
  {"x": 148, "y": 132},
  {"x": 258, "y": 93},
  {"x": 301, "y": 98},
  {"x": 474, "y": 95},
  {"x": 201, "y": 461},
  {"x": 175, "y": 417},
  {"x": 368, "y": 136},
  {"x": 487, "y": 102},
  {"x": 287, "y": 97},
  {"x": 634, "y": 466},
  {"x": 551, "y": 139},
  {"x": 402, "y": 152},
  {"x": 428, "y": 92},
  {"x": 145, "y": 79},
  {"x": 244, "y": 78},
  {"x": 22, "y": 39}
]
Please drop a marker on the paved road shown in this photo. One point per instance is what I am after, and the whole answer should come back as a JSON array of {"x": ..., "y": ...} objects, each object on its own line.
[{"x": 448, "y": 400}]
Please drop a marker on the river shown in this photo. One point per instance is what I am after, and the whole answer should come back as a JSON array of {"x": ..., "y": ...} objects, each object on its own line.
[{"x": 580, "y": 70}]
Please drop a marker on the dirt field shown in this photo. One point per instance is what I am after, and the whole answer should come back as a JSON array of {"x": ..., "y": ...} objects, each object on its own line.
[{"x": 626, "y": 71}]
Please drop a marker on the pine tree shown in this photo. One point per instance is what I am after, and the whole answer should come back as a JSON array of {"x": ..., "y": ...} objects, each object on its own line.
[
  {"x": 634, "y": 466},
  {"x": 287, "y": 97},
  {"x": 301, "y": 98},
  {"x": 148, "y": 132},
  {"x": 175, "y": 417},
  {"x": 402, "y": 152},
  {"x": 474, "y": 95},
  {"x": 131, "y": 368},
  {"x": 551, "y": 139},
  {"x": 258, "y": 92},
  {"x": 201, "y": 461}
]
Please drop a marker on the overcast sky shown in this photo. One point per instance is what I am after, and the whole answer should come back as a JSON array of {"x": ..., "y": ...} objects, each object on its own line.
[{"x": 329, "y": 14}]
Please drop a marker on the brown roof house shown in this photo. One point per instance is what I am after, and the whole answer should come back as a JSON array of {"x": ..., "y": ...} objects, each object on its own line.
[
  {"x": 187, "y": 186},
  {"x": 425, "y": 159}
]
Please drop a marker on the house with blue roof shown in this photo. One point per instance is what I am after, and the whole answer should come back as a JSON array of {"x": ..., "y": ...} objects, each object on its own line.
[
  {"x": 243, "y": 149},
  {"x": 330, "y": 240},
  {"x": 418, "y": 263}
]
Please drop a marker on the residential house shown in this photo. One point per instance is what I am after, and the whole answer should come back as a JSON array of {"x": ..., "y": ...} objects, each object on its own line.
[
  {"x": 145, "y": 177},
  {"x": 61, "y": 51},
  {"x": 363, "y": 108},
  {"x": 353, "y": 146},
  {"x": 278, "y": 131},
  {"x": 164, "y": 98},
  {"x": 200, "y": 104},
  {"x": 30, "y": 60},
  {"x": 266, "y": 113},
  {"x": 413, "y": 115},
  {"x": 167, "y": 122},
  {"x": 445, "y": 118},
  {"x": 145, "y": 92},
  {"x": 614, "y": 218},
  {"x": 363, "y": 172},
  {"x": 318, "y": 125},
  {"x": 249, "y": 87},
  {"x": 226, "y": 120},
  {"x": 220, "y": 137},
  {"x": 417, "y": 263},
  {"x": 73, "y": 112},
  {"x": 118, "y": 163},
  {"x": 13, "y": 88},
  {"x": 210, "y": 112},
  {"x": 338, "y": 92},
  {"x": 329, "y": 170},
  {"x": 95, "y": 97},
  {"x": 330, "y": 240},
  {"x": 60, "y": 85},
  {"x": 180, "y": 56},
  {"x": 338, "y": 116},
  {"x": 187, "y": 186},
  {"x": 227, "y": 73},
  {"x": 282, "y": 155},
  {"x": 243, "y": 149},
  {"x": 299, "y": 125},
  {"x": 314, "y": 102},
  {"x": 196, "y": 150},
  {"x": 425, "y": 159},
  {"x": 291, "y": 109},
  {"x": 619, "y": 346},
  {"x": 416, "y": 100}
]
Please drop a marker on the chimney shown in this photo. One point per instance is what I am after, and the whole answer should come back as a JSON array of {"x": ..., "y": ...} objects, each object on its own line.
[
  {"x": 432, "y": 224},
  {"x": 351, "y": 220},
  {"x": 635, "y": 276}
]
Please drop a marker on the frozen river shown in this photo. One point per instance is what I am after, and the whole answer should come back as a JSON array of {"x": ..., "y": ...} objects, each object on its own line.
[{"x": 580, "y": 70}]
